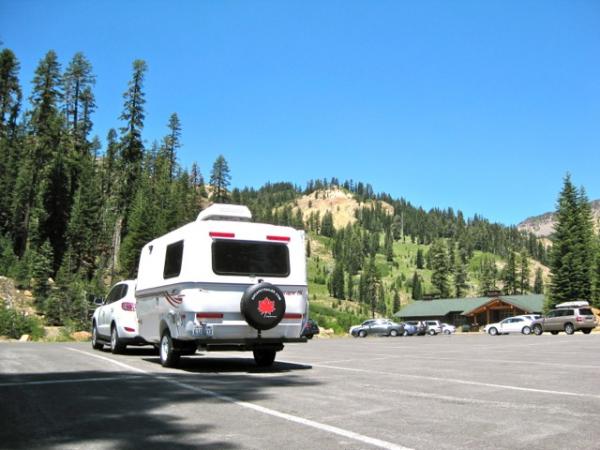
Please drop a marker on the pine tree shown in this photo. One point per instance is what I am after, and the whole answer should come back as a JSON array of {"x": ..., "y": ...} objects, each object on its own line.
[
  {"x": 524, "y": 273},
  {"x": 396, "y": 302},
  {"x": 132, "y": 147},
  {"x": 219, "y": 180},
  {"x": 440, "y": 267},
  {"x": 41, "y": 145},
  {"x": 172, "y": 143},
  {"x": 327, "y": 228},
  {"x": 417, "y": 290},
  {"x": 571, "y": 254},
  {"x": 337, "y": 281},
  {"x": 389, "y": 246},
  {"x": 538, "y": 284},
  {"x": 420, "y": 259},
  {"x": 509, "y": 275},
  {"x": 460, "y": 277},
  {"x": 78, "y": 97}
]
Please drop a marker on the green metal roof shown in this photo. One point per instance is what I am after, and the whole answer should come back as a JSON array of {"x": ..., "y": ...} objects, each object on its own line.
[{"x": 441, "y": 307}]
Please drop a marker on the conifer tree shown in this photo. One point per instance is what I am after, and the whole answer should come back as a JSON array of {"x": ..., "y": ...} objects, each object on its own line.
[
  {"x": 219, "y": 180},
  {"x": 172, "y": 143},
  {"x": 524, "y": 273},
  {"x": 78, "y": 97},
  {"x": 337, "y": 282},
  {"x": 509, "y": 275},
  {"x": 420, "y": 259},
  {"x": 132, "y": 147},
  {"x": 571, "y": 254},
  {"x": 417, "y": 290},
  {"x": 441, "y": 268},
  {"x": 389, "y": 246},
  {"x": 327, "y": 228},
  {"x": 538, "y": 284}
]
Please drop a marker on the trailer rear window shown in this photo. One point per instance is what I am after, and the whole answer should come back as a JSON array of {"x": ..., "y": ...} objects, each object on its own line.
[
  {"x": 250, "y": 258},
  {"x": 173, "y": 257}
]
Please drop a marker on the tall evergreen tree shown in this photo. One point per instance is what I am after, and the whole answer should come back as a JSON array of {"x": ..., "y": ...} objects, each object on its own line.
[
  {"x": 327, "y": 228},
  {"x": 220, "y": 180},
  {"x": 172, "y": 143},
  {"x": 42, "y": 145},
  {"x": 524, "y": 273},
  {"x": 78, "y": 97},
  {"x": 538, "y": 284},
  {"x": 509, "y": 275},
  {"x": 441, "y": 268},
  {"x": 417, "y": 289},
  {"x": 132, "y": 146},
  {"x": 420, "y": 259},
  {"x": 571, "y": 254}
]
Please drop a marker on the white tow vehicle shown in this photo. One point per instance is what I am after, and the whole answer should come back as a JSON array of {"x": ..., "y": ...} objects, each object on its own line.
[{"x": 223, "y": 283}]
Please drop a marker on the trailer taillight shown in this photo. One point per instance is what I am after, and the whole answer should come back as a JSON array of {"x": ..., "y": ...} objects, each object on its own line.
[
  {"x": 278, "y": 238},
  {"x": 128, "y": 306},
  {"x": 292, "y": 316},
  {"x": 220, "y": 234},
  {"x": 209, "y": 315}
]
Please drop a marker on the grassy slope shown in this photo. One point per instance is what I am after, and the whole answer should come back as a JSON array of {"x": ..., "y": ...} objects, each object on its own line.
[{"x": 340, "y": 314}]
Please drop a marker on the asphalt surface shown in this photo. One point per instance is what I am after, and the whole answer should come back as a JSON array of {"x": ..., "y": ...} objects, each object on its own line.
[{"x": 441, "y": 392}]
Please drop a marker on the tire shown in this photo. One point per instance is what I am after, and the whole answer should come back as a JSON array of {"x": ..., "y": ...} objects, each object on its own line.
[
  {"x": 263, "y": 306},
  {"x": 362, "y": 333},
  {"x": 95, "y": 344},
  {"x": 116, "y": 346},
  {"x": 569, "y": 328},
  {"x": 526, "y": 330},
  {"x": 264, "y": 357},
  {"x": 554, "y": 332},
  {"x": 393, "y": 333},
  {"x": 537, "y": 330},
  {"x": 309, "y": 336},
  {"x": 447, "y": 332},
  {"x": 493, "y": 331},
  {"x": 431, "y": 333},
  {"x": 586, "y": 330},
  {"x": 405, "y": 333},
  {"x": 168, "y": 356}
]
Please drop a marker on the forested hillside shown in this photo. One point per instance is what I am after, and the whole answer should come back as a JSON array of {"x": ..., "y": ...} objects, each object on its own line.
[{"x": 74, "y": 213}]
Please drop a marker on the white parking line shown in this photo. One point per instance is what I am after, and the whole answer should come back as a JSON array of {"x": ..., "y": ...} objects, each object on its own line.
[
  {"x": 458, "y": 381},
  {"x": 268, "y": 411},
  {"x": 66, "y": 381}
]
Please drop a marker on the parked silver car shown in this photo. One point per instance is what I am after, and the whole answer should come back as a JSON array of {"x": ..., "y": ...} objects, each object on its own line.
[
  {"x": 377, "y": 327},
  {"x": 568, "y": 317}
]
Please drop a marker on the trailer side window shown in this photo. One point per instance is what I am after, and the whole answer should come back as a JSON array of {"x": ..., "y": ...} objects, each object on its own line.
[
  {"x": 173, "y": 258},
  {"x": 250, "y": 258}
]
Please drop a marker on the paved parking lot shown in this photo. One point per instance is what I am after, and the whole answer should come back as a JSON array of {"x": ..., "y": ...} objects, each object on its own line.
[{"x": 443, "y": 392}]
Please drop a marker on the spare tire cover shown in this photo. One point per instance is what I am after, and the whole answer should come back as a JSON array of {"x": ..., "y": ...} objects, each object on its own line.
[{"x": 263, "y": 306}]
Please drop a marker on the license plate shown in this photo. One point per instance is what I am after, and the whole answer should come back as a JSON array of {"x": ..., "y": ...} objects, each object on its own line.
[{"x": 202, "y": 331}]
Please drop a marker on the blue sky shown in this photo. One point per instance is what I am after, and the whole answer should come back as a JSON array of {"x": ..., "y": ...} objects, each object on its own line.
[{"x": 478, "y": 105}]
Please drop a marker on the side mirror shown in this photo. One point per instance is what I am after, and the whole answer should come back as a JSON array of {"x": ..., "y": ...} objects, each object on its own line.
[{"x": 99, "y": 301}]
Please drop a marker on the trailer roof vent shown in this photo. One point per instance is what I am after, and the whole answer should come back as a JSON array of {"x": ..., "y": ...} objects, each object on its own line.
[{"x": 219, "y": 211}]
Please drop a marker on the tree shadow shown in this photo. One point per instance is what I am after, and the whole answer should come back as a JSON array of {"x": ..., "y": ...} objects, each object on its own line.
[{"x": 124, "y": 410}]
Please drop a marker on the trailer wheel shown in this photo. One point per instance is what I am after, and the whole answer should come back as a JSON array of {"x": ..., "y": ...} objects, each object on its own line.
[
  {"x": 168, "y": 356},
  {"x": 263, "y": 306}
]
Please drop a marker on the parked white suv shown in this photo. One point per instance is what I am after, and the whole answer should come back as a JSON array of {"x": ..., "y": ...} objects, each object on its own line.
[{"x": 115, "y": 322}]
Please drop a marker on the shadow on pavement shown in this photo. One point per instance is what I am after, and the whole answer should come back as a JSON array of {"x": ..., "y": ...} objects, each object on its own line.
[{"x": 122, "y": 410}]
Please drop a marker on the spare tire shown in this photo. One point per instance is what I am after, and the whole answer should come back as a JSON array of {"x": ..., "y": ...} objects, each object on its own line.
[{"x": 263, "y": 306}]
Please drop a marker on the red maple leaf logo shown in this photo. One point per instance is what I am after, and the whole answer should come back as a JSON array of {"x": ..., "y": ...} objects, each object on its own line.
[{"x": 266, "y": 306}]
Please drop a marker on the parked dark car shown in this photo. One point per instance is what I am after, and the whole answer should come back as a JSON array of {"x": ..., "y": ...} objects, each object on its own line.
[
  {"x": 420, "y": 325},
  {"x": 377, "y": 327},
  {"x": 409, "y": 330},
  {"x": 310, "y": 329}
]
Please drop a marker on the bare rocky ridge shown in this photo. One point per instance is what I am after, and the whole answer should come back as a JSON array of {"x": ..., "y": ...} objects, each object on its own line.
[
  {"x": 340, "y": 203},
  {"x": 543, "y": 225}
]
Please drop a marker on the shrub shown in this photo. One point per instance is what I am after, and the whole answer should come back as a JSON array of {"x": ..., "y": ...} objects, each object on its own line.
[{"x": 14, "y": 324}]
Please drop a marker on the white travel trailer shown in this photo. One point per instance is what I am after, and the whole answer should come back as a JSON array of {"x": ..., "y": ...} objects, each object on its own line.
[{"x": 223, "y": 283}]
